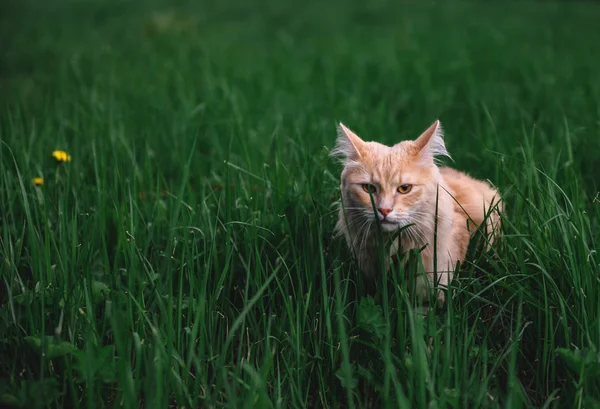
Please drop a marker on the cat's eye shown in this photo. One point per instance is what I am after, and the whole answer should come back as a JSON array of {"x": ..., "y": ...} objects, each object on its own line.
[
  {"x": 404, "y": 189},
  {"x": 369, "y": 188}
]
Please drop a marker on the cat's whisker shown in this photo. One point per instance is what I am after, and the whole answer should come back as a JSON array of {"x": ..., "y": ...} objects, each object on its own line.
[
  {"x": 417, "y": 238},
  {"x": 421, "y": 236},
  {"x": 365, "y": 236},
  {"x": 359, "y": 233},
  {"x": 348, "y": 210},
  {"x": 405, "y": 235},
  {"x": 357, "y": 228},
  {"x": 423, "y": 223},
  {"x": 358, "y": 216},
  {"x": 413, "y": 235},
  {"x": 414, "y": 232},
  {"x": 361, "y": 220},
  {"x": 429, "y": 215},
  {"x": 421, "y": 240}
]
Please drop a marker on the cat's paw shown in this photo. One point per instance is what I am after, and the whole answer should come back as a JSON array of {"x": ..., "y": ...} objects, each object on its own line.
[{"x": 441, "y": 298}]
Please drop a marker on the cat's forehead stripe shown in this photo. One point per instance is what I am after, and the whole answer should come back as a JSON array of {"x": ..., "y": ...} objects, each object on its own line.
[{"x": 386, "y": 171}]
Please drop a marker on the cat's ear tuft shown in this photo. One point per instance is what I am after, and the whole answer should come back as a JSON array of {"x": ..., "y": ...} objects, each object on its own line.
[
  {"x": 348, "y": 145},
  {"x": 431, "y": 142}
]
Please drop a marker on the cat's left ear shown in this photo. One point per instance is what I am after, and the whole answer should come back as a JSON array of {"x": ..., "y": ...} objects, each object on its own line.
[
  {"x": 431, "y": 142},
  {"x": 348, "y": 145}
]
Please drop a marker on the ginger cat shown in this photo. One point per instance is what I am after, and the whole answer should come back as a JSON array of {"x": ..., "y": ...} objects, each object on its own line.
[{"x": 404, "y": 181}]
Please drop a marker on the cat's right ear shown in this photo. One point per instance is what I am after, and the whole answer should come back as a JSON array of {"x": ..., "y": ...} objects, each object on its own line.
[{"x": 348, "y": 145}]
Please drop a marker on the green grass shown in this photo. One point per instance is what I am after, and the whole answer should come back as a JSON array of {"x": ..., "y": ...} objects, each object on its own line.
[{"x": 185, "y": 255}]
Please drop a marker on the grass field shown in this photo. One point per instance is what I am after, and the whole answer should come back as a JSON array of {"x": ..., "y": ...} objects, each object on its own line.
[{"x": 184, "y": 256}]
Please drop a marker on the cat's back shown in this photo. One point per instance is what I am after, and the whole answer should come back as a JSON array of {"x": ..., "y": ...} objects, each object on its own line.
[{"x": 472, "y": 194}]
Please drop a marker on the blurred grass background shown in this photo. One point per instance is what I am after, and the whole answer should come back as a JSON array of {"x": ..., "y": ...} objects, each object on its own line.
[{"x": 184, "y": 256}]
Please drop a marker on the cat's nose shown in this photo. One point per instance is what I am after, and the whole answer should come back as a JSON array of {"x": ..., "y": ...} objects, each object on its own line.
[{"x": 384, "y": 211}]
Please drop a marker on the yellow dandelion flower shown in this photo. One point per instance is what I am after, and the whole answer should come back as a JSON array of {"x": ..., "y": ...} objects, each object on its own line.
[
  {"x": 61, "y": 156},
  {"x": 38, "y": 181}
]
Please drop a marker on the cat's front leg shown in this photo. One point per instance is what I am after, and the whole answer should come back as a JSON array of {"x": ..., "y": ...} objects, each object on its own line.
[
  {"x": 431, "y": 277},
  {"x": 372, "y": 262},
  {"x": 367, "y": 261},
  {"x": 439, "y": 280},
  {"x": 425, "y": 283}
]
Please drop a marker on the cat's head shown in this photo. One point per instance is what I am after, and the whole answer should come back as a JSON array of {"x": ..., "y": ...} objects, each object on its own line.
[{"x": 402, "y": 179}]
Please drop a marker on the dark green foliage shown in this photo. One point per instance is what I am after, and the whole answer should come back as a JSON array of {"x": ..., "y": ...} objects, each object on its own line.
[{"x": 184, "y": 257}]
